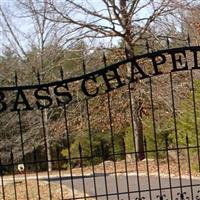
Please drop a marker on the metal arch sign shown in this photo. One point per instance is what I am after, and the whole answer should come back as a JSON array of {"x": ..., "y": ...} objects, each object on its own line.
[{"x": 58, "y": 93}]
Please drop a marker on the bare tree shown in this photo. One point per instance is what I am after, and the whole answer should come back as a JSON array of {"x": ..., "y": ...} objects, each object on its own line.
[
  {"x": 128, "y": 20},
  {"x": 44, "y": 35},
  {"x": 65, "y": 21}
]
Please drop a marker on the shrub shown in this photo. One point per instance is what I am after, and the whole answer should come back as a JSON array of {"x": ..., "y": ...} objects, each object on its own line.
[{"x": 81, "y": 145}]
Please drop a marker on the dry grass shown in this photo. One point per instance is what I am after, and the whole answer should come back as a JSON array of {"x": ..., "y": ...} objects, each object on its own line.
[{"x": 35, "y": 191}]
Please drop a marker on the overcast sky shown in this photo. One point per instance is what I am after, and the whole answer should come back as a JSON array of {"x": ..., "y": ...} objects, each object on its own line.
[{"x": 24, "y": 27}]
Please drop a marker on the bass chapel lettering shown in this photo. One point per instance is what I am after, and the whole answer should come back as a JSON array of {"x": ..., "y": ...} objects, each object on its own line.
[
  {"x": 42, "y": 98},
  {"x": 100, "y": 81}
]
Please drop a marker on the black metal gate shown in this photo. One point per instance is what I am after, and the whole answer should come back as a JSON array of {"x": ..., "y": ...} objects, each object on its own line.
[{"x": 127, "y": 131}]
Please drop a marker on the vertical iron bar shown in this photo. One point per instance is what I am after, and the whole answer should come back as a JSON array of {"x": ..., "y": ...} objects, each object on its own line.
[
  {"x": 23, "y": 153},
  {"x": 45, "y": 145},
  {"x": 155, "y": 135},
  {"x": 168, "y": 43},
  {"x": 104, "y": 170},
  {"x": 90, "y": 139},
  {"x": 134, "y": 142},
  {"x": 59, "y": 172},
  {"x": 132, "y": 123},
  {"x": 189, "y": 166},
  {"x": 36, "y": 171},
  {"x": 176, "y": 132},
  {"x": 112, "y": 143},
  {"x": 2, "y": 181},
  {"x": 13, "y": 173},
  {"x": 69, "y": 151},
  {"x": 126, "y": 170},
  {"x": 168, "y": 167},
  {"x": 82, "y": 172},
  {"x": 189, "y": 40},
  {"x": 147, "y": 46},
  {"x": 2, "y": 185},
  {"x": 68, "y": 141},
  {"x": 22, "y": 142},
  {"x": 195, "y": 116},
  {"x": 112, "y": 134},
  {"x": 147, "y": 164}
]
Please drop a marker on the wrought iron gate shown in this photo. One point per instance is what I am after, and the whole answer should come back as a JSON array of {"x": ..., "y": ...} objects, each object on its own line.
[{"x": 127, "y": 131}]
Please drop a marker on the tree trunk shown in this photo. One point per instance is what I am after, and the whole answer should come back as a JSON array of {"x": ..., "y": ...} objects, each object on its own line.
[
  {"x": 138, "y": 130},
  {"x": 136, "y": 106}
]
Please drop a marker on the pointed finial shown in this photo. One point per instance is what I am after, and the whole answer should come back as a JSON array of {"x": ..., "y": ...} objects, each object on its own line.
[
  {"x": 124, "y": 145},
  {"x": 188, "y": 39},
  {"x": 11, "y": 155},
  {"x": 168, "y": 43},
  {"x": 166, "y": 140},
  {"x": 102, "y": 150},
  {"x": 57, "y": 151},
  {"x": 34, "y": 154},
  {"x": 126, "y": 52},
  {"x": 104, "y": 59},
  {"x": 102, "y": 146},
  {"x": 16, "y": 78},
  {"x": 61, "y": 73},
  {"x": 80, "y": 148},
  {"x": 147, "y": 46},
  {"x": 145, "y": 142},
  {"x": 84, "y": 67},
  {"x": 38, "y": 76},
  {"x": 187, "y": 139}
]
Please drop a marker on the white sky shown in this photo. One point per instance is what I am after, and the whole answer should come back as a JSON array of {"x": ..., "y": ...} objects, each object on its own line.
[{"x": 25, "y": 26}]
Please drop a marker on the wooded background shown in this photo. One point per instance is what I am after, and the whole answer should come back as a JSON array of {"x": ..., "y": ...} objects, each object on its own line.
[{"x": 39, "y": 37}]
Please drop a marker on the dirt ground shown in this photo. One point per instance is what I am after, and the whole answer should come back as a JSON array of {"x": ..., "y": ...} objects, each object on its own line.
[
  {"x": 35, "y": 191},
  {"x": 143, "y": 167}
]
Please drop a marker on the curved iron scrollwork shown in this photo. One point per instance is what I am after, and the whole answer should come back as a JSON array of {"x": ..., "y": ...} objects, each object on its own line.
[
  {"x": 182, "y": 196},
  {"x": 163, "y": 197},
  {"x": 139, "y": 198},
  {"x": 198, "y": 195}
]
